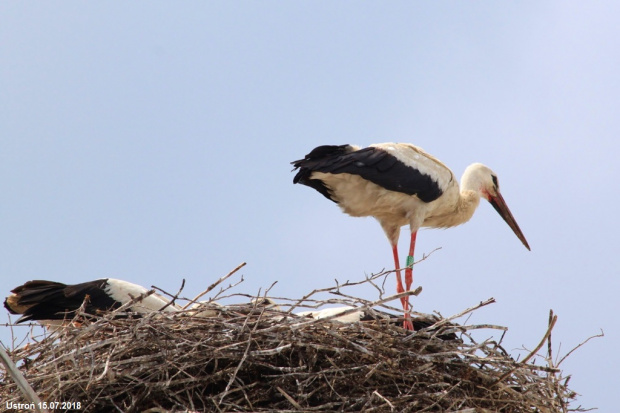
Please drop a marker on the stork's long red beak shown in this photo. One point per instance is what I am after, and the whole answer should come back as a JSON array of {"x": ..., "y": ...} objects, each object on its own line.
[{"x": 500, "y": 206}]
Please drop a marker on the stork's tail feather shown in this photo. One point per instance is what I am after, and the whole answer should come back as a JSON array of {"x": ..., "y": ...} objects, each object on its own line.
[
  {"x": 316, "y": 160},
  {"x": 32, "y": 293},
  {"x": 11, "y": 304}
]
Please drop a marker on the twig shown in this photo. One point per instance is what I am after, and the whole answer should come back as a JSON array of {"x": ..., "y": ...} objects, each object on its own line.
[
  {"x": 219, "y": 296},
  {"x": 580, "y": 344},
  {"x": 20, "y": 380},
  {"x": 376, "y": 393},
  {"x": 547, "y": 334},
  {"x": 533, "y": 352},
  {"x": 212, "y": 286},
  {"x": 245, "y": 356},
  {"x": 424, "y": 258},
  {"x": 133, "y": 300},
  {"x": 174, "y": 297},
  {"x": 336, "y": 288},
  {"x": 361, "y": 308},
  {"x": 462, "y": 313},
  {"x": 549, "y": 347},
  {"x": 289, "y": 398}
]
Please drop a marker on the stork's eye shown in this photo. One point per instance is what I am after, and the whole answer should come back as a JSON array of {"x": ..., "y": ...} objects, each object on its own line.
[{"x": 495, "y": 183}]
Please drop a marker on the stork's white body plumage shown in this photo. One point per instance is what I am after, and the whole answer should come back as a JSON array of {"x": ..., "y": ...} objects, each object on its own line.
[
  {"x": 351, "y": 317},
  {"x": 123, "y": 291},
  {"x": 400, "y": 184}
]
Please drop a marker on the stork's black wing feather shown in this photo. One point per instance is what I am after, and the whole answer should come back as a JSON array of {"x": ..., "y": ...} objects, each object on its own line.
[
  {"x": 373, "y": 164},
  {"x": 49, "y": 300},
  {"x": 36, "y": 291},
  {"x": 321, "y": 157}
]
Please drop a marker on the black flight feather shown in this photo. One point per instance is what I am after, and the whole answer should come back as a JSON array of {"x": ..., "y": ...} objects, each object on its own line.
[{"x": 49, "y": 300}]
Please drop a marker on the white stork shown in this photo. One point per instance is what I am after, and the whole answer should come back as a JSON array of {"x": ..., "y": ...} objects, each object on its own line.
[
  {"x": 400, "y": 184},
  {"x": 354, "y": 315},
  {"x": 53, "y": 303}
]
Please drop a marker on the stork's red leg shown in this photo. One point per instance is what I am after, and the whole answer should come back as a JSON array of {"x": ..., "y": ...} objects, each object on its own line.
[
  {"x": 399, "y": 289},
  {"x": 399, "y": 280},
  {"x": 409, "y": 269}
]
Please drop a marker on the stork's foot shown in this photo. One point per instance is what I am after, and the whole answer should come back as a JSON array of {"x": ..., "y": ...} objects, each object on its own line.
[{"x": 407, "y": 324}]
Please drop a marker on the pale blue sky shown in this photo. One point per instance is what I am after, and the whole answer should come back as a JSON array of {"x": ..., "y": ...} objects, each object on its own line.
[{"x": 151, "y": 141}]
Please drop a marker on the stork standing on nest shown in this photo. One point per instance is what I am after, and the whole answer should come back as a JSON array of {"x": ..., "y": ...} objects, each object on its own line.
[
  {"x": 400, "y": 184},
  {"x": 53, "y": 303}
]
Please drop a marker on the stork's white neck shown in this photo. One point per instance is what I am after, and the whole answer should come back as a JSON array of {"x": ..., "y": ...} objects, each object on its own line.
[
  {"x": 470, "y": 193},
  {"x": 466, "y": 206}
]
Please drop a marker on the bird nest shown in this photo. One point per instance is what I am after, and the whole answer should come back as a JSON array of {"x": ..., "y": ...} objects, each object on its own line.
[{"x": 254, "y": 358}]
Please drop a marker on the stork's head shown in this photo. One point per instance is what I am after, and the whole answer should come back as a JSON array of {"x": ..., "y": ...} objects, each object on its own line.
[{"x": 481, "y": 178}]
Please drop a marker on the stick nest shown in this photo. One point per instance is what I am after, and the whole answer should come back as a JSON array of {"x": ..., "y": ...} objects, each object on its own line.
[{"x": 253, "y": 358}]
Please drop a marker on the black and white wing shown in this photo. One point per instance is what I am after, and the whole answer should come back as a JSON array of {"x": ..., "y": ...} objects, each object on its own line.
[
  {"x": 49, "y": 300},
  {"x": 395, "y": 167}
]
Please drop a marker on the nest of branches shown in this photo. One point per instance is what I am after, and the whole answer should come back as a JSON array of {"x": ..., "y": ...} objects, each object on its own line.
[{"x": 254, "y": 358}]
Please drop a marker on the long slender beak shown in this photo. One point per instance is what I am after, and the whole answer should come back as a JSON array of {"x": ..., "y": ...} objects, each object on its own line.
[{"x": 502, "y": 209}]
